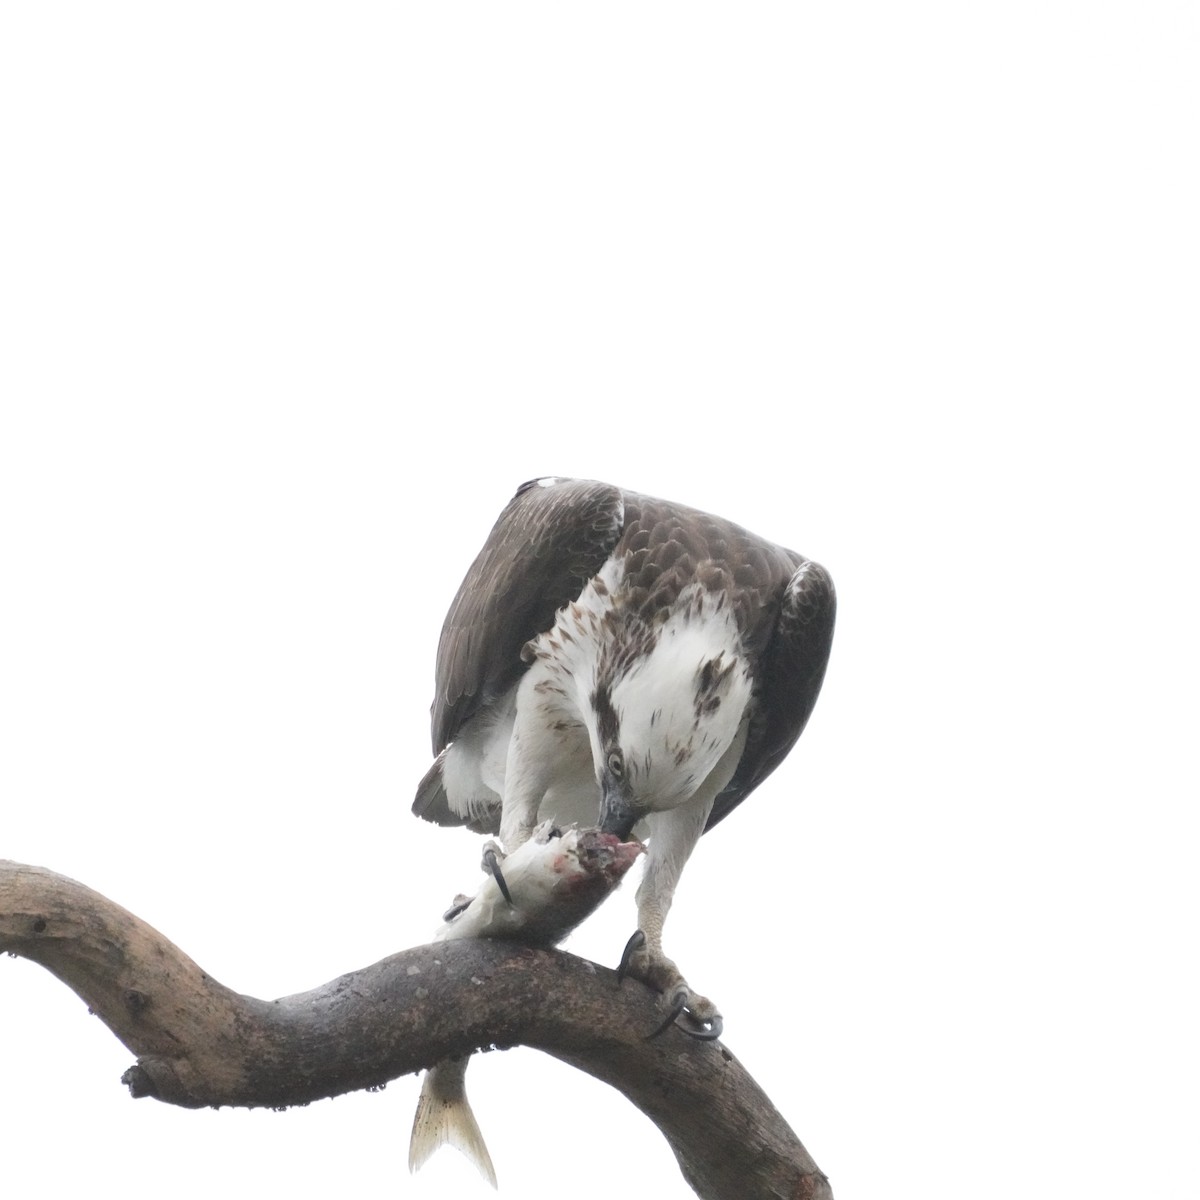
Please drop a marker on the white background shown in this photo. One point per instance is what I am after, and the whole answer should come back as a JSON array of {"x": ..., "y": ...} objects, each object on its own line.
[{"x": 295, "y": 295}]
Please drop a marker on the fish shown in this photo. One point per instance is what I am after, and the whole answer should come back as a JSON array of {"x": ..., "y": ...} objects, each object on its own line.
[{"x": 553, "y": 881}]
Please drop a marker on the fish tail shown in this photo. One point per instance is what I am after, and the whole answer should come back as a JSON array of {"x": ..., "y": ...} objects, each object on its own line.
[{"x": 444, "y": 1115}]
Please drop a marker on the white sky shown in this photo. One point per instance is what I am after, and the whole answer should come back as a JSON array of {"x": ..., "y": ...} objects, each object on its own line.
[{"x": 293, "y": 296}]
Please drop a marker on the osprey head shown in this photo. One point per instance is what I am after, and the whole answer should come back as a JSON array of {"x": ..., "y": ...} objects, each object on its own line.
[{"x": 662, "y": 722}]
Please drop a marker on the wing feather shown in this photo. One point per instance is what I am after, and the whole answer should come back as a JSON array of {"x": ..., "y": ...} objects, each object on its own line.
[
  {"x": 792, "y": 670},
  {"x": 551, "y": 538}
]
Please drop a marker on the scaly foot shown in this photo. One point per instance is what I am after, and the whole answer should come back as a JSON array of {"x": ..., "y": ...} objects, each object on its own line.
[{"x": 700, "y": 1016}]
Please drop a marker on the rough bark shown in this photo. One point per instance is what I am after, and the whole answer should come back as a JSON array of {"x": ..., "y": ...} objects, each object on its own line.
[{"x": 198, "y": 1043}]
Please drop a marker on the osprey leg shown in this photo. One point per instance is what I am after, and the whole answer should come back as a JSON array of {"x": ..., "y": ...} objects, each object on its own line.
[{"x": 673, "y": 836}]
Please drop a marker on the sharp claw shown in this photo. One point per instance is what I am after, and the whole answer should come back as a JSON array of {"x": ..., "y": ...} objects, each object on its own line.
[
  {"x": 677, "y": 1007},
  {"x": 636, "y": 941},
  {"x": 703, "y": 1030},
  {"x": 455, "y": 909},
  {"x": 492, "y": 864},
  {"x": 697, "y": 1029}
]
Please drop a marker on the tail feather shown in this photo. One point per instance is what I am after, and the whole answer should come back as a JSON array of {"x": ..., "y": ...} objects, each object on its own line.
[
  {"x": 431, "y": 803},
  {"x": 444, "y": 1116}
]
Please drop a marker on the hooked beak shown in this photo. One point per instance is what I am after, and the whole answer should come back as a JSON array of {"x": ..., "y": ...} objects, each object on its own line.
[{"x": 616, "y": 813}]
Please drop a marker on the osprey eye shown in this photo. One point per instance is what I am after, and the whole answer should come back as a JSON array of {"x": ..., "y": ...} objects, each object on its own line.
[{"x": 616, "y": 764}]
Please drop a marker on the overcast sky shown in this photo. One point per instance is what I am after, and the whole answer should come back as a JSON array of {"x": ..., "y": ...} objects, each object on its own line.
[{"x": 294, "y": 296}]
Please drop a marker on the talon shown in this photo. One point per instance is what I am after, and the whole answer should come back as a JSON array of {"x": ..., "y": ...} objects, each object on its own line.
[
  {"x": 704, "y": 1031},
  {"x": 663, "y": 976},
  {"x": 636, "y": 941},
  {"x": 677, "y": 1007},
  {"x": 492, "y": 864},
  {"x": 455, "y": 909}
]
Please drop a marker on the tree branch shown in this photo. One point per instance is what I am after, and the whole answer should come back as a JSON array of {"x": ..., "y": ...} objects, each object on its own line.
[{"x": 198, "y": 1043}]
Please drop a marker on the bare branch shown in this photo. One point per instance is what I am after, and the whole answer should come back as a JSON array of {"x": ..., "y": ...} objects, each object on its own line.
[{"x": 198, "y": 1043}]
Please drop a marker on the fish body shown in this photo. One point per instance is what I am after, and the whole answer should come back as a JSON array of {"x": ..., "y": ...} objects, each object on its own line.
[{"x": 556, "y": 879}]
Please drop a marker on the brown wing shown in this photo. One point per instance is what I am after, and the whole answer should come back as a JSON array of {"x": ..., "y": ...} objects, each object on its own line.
[
  {"x": 548, "y": 542},
  {"x": 790, "y": 672}
]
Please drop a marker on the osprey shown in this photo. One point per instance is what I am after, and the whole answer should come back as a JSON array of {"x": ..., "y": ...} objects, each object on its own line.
[{"x": 609, "y": 653}]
